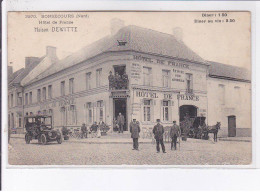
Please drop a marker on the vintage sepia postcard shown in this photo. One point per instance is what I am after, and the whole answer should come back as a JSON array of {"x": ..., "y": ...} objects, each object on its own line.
[{"x": 129, "y": 88}]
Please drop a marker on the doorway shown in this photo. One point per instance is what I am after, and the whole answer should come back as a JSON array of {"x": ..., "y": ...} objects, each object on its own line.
[
  {"x": 120, "y": 106},
  {"x": 189, "y": 110},
  {"x": 232, "y": 126}
]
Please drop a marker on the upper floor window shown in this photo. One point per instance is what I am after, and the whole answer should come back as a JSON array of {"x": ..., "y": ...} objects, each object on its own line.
[
  {"x": 166, "y": 78},
  {"x": 147, "y": 110},
  {"x": 49, "y": 91},
  {"x": 98, "y": 77},
  {"x": 39, "y": 95},
  {"x": 30, "y": 97},
  {"x": 221, "y": 94},
  {"x": 189, "y": 82},
  {"x": 147, "y": 74},
  {"x": 26, "y": 98},
  {"x": 19, "y": 98},
  {"x": 12, "y": 100},
  {"x": 44, "y": 93},
  {"x": 88, "y": 80},
  {"x": 62, "y": 88},
  {"x": 71, "y": 85}
]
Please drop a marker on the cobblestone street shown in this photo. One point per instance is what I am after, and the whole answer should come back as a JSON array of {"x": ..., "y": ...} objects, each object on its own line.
[{"x": 95, "y": 151}]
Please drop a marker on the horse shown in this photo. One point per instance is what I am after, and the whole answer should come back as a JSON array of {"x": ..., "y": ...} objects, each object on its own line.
[{"x": 214, "y": 129}]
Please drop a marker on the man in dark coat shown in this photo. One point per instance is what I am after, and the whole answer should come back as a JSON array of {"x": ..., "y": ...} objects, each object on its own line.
[
  {"x": 121, "y": 122},
  {"x": 135, "y": 130},
  {"x": 84, "y": 131},
  {"x": 174, "y": 133},
  {"x": 158, "y": 131}
]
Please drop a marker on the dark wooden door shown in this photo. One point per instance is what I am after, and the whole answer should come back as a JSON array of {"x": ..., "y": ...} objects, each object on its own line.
[{"x": 231, "y": 126}]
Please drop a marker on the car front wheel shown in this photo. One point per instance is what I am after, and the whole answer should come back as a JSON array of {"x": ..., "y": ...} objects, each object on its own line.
[
  {"x": 43, "y": 139},
  {"x": 27, "y": 138},
  {"x": 59, "y": 140}
]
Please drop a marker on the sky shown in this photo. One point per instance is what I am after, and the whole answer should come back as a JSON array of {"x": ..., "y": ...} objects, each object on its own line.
[{"x": 225, "y": 42}]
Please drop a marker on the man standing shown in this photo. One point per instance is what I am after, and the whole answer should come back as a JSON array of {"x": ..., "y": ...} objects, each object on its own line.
[
  {"x": 84, "y": 131},
  {"x": 135, "y": 130},
  {"x": 121, "y": 122},
  {"x": 174, "y": 133},
  {"x": 158, "y": 131}
]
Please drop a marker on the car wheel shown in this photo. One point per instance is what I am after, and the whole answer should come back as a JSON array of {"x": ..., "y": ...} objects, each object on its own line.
[
  {"x": 59, "y": 140},
  {"x": 43, "y": 139},
  {"x": 27, "y": 138}
]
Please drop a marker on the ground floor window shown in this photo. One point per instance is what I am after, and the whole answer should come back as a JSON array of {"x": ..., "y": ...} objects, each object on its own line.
[
  {"x": 165, "y": 104},
  {"x": 73, "y": 115},
  {"x": 89, "y": 112},
  {"x": 20, "y": 122},
  {"x": 100, "y": 110},
  {"x": 63, "y": 116},
  {"x": 147, "y": 110}
]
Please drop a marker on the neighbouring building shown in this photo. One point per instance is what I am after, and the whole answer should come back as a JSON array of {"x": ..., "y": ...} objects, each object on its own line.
[{"x": 166, "y": 80}]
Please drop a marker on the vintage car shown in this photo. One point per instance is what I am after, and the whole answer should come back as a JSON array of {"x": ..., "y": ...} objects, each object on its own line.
[{"x": 40, "y": 127}]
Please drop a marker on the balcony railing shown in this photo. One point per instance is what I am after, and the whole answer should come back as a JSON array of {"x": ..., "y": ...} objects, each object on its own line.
[{"x": 117, "y": 82}]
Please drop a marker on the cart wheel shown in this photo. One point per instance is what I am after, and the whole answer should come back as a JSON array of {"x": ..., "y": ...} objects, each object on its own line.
[
  {"x": 43, "y": 139},
  {"x": 59, "y": 140},
  {"x": 27, "y": 138}
]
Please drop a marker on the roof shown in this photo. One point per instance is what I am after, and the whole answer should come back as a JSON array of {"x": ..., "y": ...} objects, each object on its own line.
[
  {"x": 228, "y": 71},
  {"x": 137, "y": 39},
  {"x": 21, "y": 73}
]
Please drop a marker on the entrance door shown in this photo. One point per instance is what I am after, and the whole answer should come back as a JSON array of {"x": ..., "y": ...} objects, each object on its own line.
[
  {"x": 231, "y": 126},
  {"x": 188, "y": 110},
  {"x": 120, "y": 107}
]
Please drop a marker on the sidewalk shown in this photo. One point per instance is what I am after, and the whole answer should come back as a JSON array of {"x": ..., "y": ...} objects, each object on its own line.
[
  {"x": 110, "y": 138},
  {"x": 239, "y": 139}
]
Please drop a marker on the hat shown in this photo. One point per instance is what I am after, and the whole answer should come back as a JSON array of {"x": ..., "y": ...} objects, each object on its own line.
[
  {"x": 174, "y": 121},
  {"x": 158, "y": 120}
]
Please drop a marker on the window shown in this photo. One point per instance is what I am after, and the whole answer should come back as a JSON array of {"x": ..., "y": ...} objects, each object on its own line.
[
  {"x": 166, "y": 78},
  {"x": 98, "y": 77},
  {"x": 165, "y": 110},
  {"x": 100, "y": 105},
  {"x": 189, "y": 82},
  {"x": 49, "y": 91},
  {"x": 44, "y": 93},
  {"x": 63, "y": 116},
  {"x": 30, "y": 97},
  {"x": 147, "y": 74},
  {"x": 88, "y": 80},
  {"x": 71, "y": 85},
  {"x": 26, "y": 98},
  {"x": 73, "y": 115},
  {"x": 44, "y": 112},
  {"x": 39, "y": 95},
  {"x": 147, "y": 110},
  {"x": 19, "y": 98},
  {"x": 89, "y": 112},
  {"x": 221, "y": 94},
  {"x": 62, "y": 88},
  {"x": 50, "y": 111},
  {"x": 12, "y": 100},
  {"x": 20, "y": 122}
]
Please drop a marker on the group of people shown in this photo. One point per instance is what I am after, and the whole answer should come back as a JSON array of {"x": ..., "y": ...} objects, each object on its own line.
[
  {"x": 158, "y": 132},
  {"x": 117, "y": 81},
  {"x": 95, "y": 129}
]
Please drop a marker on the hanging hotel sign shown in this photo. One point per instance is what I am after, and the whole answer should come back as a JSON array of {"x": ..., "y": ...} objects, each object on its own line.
[
  {"x": 162, "y": 62},
  {"x": 188, "y": 97}
]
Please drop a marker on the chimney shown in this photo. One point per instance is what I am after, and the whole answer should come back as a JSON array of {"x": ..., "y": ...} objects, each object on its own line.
[
  {"x": 177, "y": 32},
  {"x": 10, "y": 71},
  {"x": 116, "y": 25},
  {"x": 51, "y": 52},
  {"x": 31, "y": 60}
]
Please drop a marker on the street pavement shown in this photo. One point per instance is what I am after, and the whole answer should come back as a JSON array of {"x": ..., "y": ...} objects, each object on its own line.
[{"x": 117, "y": 150}]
